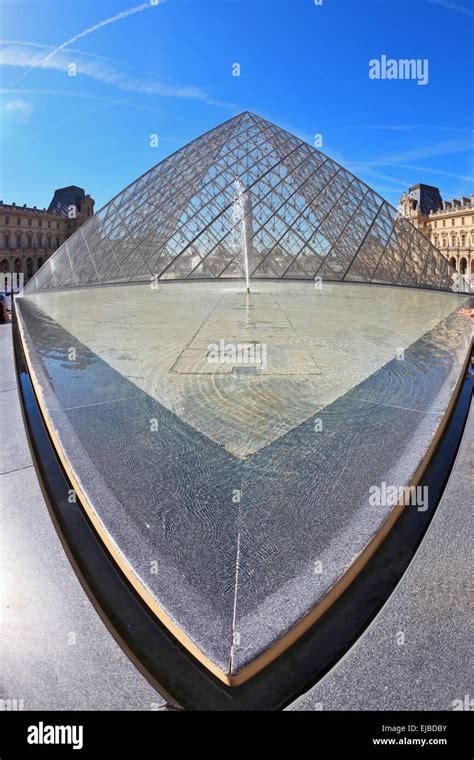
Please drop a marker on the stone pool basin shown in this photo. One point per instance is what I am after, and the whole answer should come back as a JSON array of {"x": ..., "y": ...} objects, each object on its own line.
[{"x": 225, "y": 445}]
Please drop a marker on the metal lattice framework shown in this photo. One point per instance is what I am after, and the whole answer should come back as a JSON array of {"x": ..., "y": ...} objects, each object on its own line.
[{"x": 306, "y": 217}]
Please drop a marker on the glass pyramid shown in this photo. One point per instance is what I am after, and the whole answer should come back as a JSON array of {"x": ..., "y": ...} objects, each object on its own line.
[{"x": 304, "y": 216}]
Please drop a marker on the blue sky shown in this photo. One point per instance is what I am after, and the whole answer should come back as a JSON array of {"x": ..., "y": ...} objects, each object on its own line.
[{"x": 167, "y": 69}]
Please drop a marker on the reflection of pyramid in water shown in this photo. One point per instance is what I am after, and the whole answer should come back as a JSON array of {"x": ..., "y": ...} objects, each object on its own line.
[{"x": 305, "y": 216}]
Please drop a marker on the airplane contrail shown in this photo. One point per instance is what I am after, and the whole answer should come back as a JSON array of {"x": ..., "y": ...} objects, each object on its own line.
[
  {"x": 85, "y": 32},
  {"x": 454, "y": 7}
]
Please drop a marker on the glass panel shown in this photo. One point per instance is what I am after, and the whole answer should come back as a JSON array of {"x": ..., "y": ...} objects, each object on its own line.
[{"x": 304, "y": 215}]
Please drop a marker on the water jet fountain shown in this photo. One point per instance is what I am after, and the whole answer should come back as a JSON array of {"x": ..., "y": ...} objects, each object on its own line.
[{"x": 238, "y": 221}]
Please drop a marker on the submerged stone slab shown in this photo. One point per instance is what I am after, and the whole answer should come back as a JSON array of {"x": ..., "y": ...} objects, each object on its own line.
[{"x": 321, "y": 344}]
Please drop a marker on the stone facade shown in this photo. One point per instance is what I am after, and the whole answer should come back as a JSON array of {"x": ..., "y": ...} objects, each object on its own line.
[
  {"x": 449, "y": 225},
  {"x": 28, "y": 236}
]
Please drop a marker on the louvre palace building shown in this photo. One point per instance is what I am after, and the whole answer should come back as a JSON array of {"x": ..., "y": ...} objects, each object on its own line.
[
  {"x": 449, "y": 225},
  {"x": 28, "y": 236}
]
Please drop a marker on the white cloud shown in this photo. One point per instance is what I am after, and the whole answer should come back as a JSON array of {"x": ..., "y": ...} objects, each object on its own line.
[
  {"x": 447, "y": 147},
  {"x": 29, "y": 57},
  {"x": 50, "y": 48},
  {"x": 21, "y": 109},
  {"x": 84, "y": 33},
  {"x": 454, "y": 7}
]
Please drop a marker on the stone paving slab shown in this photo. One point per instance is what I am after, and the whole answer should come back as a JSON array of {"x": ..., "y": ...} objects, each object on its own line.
[
  {"x": 56, "y": 652},
  {"x": 417, "y": 653},
  {"x": 319, "y": 344},
  {"x": 14, "y": 450}
]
